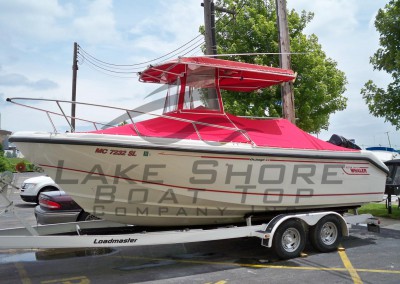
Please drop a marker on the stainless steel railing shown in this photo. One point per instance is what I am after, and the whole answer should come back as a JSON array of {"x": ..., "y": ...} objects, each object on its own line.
[{"x": 49, "y": 113}]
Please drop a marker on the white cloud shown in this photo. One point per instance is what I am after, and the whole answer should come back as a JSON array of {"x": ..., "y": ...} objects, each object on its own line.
[
  {"x": 170, "y": 26},
  {"x": 18, "y": 80},
  {"x": 98, "y": 25},
  {"x": 49, "y": 21},
  {"x": 36, "y": 20},
  {"x": 333, "y": 17}
]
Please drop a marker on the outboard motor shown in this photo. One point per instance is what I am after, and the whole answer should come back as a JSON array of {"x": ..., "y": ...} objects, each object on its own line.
[{"x": 342, "y": 142}]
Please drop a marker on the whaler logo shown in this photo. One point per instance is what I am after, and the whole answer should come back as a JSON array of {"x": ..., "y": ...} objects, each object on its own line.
[{"x": 356, "y": 170}]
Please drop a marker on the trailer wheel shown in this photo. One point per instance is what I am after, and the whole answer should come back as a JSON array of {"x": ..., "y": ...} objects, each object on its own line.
[
  {"x": 289, "y": 239},
  {"x": 326, "y": 235}
]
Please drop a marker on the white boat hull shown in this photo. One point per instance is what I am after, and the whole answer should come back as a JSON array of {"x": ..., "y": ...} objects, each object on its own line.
[{"x": 164, "y": 182}]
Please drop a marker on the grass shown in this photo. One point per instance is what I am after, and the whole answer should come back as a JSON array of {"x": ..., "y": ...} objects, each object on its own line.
[
  {"x": 15, "y": 161},
  {"x": 380, "y": 210}
]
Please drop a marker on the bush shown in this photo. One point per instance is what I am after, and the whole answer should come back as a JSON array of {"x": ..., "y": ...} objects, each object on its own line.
[
  {"x": 5, "y": 164},
  {"x": 17, "y": 162}
]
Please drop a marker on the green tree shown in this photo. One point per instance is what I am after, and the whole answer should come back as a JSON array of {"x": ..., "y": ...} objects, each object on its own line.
[
  {"x": 5, "y": 165},
  {"x": 381, "y": 102},
  {"x": 319, "y": 86}
]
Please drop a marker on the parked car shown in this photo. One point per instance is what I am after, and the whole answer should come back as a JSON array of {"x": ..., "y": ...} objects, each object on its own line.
[
  {"x": 59, "y": 207},
  {"x": 33, "y": 187}
]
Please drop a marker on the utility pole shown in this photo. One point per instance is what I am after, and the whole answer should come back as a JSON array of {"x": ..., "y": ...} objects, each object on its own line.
[
  {"x": 209, "y": 24},
  {"x": 210, "y": 39},
  {"x": 74, "y": 75},
  {"x": 209, "y": 27},
  {"x": 287, "y": 89},
  {"x": 211, "y": 47}
]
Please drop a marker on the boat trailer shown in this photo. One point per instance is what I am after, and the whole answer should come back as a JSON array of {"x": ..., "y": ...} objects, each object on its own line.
[{"x": 285, "y": 233}]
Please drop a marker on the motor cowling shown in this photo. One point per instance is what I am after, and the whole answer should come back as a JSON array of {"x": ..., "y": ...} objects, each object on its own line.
[{"x": 343, "y": 142}]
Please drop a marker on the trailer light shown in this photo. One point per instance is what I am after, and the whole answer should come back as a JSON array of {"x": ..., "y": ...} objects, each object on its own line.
[{"x": 49, "y": 204}]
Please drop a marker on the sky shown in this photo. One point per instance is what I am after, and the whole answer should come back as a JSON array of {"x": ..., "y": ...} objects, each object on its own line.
[{"x": 36, "y": 52}]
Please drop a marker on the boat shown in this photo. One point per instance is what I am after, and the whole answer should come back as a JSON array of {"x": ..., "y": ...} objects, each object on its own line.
[
  {"x": 195, "y": 164},
  {"x": 384, "y": 153}
]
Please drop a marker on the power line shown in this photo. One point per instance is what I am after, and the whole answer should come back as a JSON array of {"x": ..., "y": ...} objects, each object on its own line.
[
  {"x": 89, "y": 60},
  {"x": 112, "y": 68},
  {"x": 107, "y": 68},
  {"x": 122, "y": 66},
  {"x": 104, "y": 71},
  {"x": 197, "y": 46}
]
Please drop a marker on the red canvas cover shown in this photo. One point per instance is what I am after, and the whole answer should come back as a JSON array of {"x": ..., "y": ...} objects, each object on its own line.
[
  {"x": 195, "y": 125},
  {"x": 276, "y": 133},
  {"x": 233, "y": 76}
]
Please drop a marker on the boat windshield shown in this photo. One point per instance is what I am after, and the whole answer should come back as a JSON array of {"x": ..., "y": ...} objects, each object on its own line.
[
  {"x": 200, "y": 92},
  {"x": 201, "y": 99},
  {"x": 171, "y": 101}
]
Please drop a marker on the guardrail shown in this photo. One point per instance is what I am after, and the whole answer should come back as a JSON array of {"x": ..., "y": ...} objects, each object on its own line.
[{"x": 129, "y": 112}]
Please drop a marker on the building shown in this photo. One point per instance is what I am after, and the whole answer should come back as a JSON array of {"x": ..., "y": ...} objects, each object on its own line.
[{"x": 4, "y": 138}]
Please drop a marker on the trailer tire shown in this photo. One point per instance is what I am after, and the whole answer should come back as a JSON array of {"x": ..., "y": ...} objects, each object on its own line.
[
  {"x": 326, "y": 235},
  {"x": 289, "y": 239}
]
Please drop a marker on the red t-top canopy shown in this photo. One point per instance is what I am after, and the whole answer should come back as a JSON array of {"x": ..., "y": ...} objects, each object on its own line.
[
  {"x": 275, "y": 133},
  {"x": 233, "y": 76},
  {"x": 219, "y": 126}
]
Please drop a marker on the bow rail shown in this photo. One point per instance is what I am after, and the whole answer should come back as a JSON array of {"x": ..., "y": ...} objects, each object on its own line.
[{"x": 129, "y": 112}]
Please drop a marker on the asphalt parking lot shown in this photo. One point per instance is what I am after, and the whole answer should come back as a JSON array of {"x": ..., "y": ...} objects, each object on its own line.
[{"x": 366, "y": 257}]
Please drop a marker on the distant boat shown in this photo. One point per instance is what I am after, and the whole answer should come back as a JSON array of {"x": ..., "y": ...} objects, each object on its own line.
[{"x": 384, "y": 153}]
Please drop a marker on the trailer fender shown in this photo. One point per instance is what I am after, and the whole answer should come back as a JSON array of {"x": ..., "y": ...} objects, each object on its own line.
[{"x": 307, "y": 219}]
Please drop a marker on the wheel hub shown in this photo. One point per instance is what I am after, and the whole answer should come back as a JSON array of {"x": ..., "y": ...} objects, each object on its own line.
[
  {"x": 291, "y": 239},
  {"x": 329, "y": 233}
]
